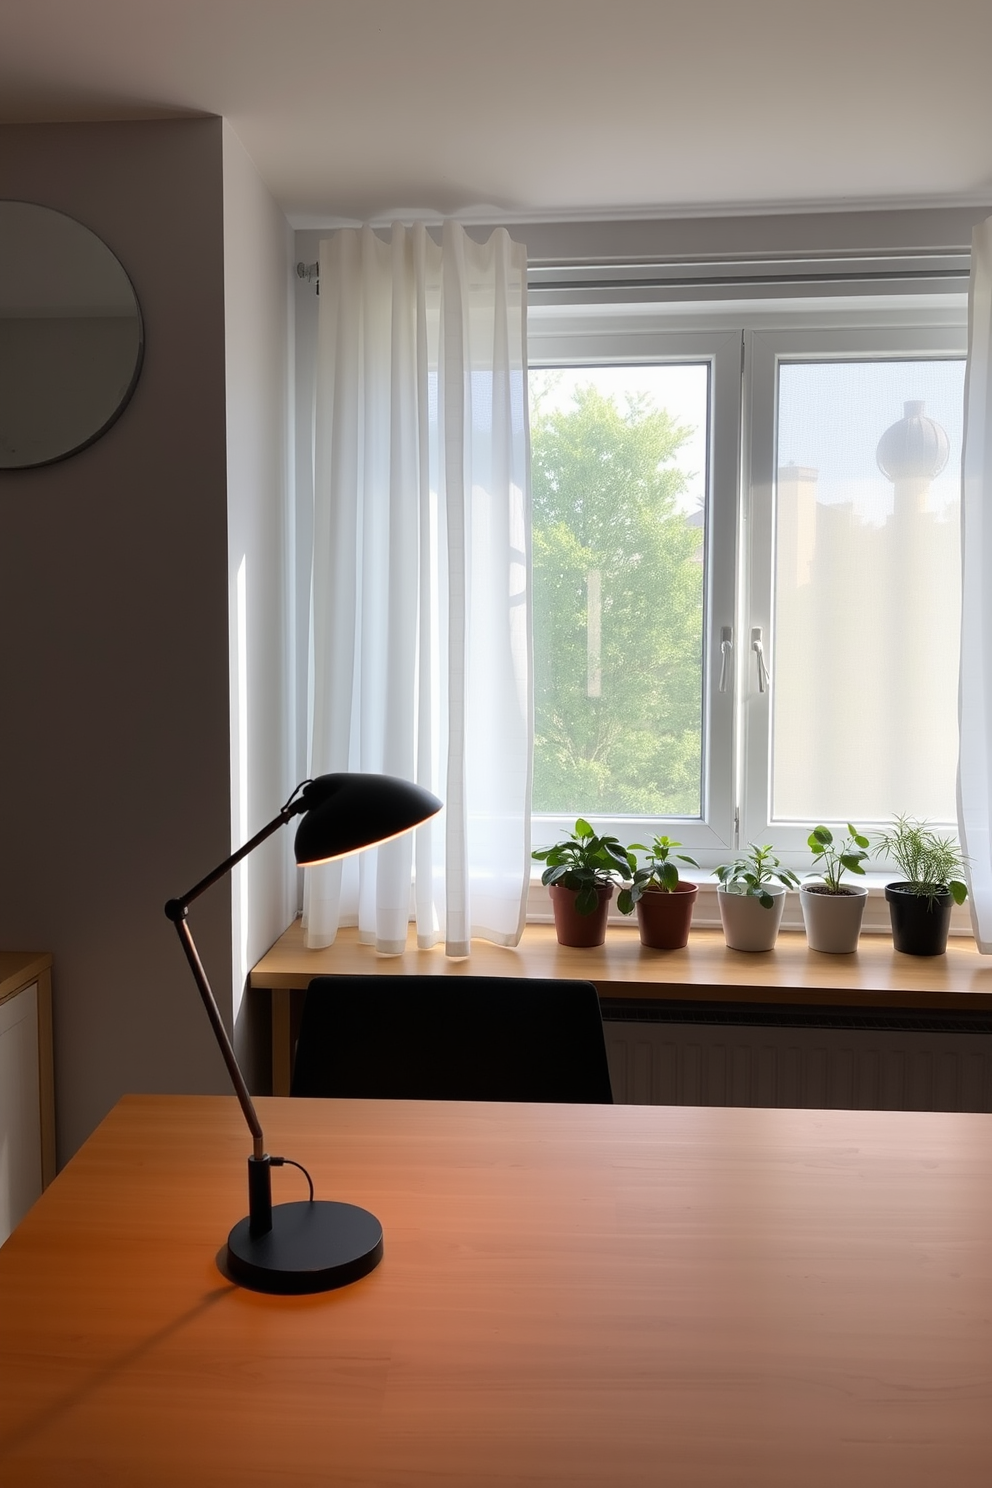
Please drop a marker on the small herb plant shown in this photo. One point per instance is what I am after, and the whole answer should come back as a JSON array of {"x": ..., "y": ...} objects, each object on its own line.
[
  {"x": 834, "y": 859},
  {"x": 929, "y": 864},
  {"x": 587, "y": 863},
  {"x": 657, "y": 872},
  {"x": 752, "y": 873}
]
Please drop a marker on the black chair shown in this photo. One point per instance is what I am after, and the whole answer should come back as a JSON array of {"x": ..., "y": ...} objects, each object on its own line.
[{"x": 452, "y": 1038}]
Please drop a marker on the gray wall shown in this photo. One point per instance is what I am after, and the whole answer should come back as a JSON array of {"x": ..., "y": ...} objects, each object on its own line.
[{"x": 115, "y": 788}]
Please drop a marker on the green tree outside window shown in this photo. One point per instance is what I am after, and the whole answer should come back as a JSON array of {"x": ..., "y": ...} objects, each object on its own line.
[{"x": 618, "y": 610}]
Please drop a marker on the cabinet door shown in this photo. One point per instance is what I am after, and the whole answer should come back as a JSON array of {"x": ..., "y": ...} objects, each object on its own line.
[{"x": 20, "y": 1125}]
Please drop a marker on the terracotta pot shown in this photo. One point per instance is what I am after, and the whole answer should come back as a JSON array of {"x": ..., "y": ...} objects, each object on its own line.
[
  {"x": 574, "y": 929},
  {"x": 919, "y": 924},
  {"x": 747, "y": 924},
  {"x": 664, "y": 917},
  {"x": 833, "y": 921}
]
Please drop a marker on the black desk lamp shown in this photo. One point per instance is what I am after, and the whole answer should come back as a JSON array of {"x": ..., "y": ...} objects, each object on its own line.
[{"x": 310, "y": 1246}]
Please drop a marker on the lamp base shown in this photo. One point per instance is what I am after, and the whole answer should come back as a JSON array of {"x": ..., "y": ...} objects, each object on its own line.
[{"x": 313, "y": 1246}]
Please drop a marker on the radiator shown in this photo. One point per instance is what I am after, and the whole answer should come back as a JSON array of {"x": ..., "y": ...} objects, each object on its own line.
[{"x": 799, "y": 1057}]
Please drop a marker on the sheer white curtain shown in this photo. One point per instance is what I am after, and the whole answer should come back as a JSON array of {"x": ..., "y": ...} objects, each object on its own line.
[
  {"x": 975, "y": 768},
  {"x": 421, "y": 641}
]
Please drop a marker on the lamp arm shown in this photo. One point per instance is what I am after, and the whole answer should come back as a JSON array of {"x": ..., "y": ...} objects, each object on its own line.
[
  {"x": 220, "y": 1034},
  {"x": 176, "y": 908},
  {"x": 176, "y": 911}
]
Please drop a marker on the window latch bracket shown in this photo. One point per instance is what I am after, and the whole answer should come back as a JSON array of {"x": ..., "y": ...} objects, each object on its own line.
[
  {"x": 726, "y": 656},
  {"x": 764, "y": 675}
]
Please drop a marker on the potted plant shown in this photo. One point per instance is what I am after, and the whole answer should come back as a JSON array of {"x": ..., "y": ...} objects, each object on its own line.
[
  {"x": 663, "y": 901},
  {"x": 751, "y": 897},
  {"x": 920, "y": 903},
  {"x": 580, "y": 874},
  {"x": 832, "y": 911}
]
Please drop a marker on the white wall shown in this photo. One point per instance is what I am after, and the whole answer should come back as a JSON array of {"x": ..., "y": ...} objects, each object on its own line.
[
  {"x": 115, "y": 740},
  {"x": 258, "y": 289}
]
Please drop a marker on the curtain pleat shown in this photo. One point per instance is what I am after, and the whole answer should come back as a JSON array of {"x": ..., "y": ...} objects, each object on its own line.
[
  {"x": 975, "y": 765},
  {"x": 420, "y": 615}
]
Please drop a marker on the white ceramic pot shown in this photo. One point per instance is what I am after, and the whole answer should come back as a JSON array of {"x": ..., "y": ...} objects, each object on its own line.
[
  {"x": 833, "y": 921},
  {"x": 747, "y": 924}
]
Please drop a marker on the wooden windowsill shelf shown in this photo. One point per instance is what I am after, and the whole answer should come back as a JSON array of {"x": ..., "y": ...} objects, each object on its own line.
[{"x": 705, "y": 971}]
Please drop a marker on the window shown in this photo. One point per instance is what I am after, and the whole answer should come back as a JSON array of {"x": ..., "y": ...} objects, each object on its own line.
[{"x": 746, "y": 557}]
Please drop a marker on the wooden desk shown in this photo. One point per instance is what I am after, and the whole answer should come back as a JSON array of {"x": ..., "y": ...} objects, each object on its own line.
[
  {"x": 591, "y": 1297},
  {"x": 706, "y": 971}
]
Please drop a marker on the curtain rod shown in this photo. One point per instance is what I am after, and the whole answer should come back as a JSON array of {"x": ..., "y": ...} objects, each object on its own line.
[{"x": 725, "y": 271}]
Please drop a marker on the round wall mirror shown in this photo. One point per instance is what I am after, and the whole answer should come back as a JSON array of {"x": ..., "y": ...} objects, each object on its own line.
[{"x": 70, "y": 336}]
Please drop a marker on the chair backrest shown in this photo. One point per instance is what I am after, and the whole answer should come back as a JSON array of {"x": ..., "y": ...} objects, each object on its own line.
[{"x": 452, "y": 1038}]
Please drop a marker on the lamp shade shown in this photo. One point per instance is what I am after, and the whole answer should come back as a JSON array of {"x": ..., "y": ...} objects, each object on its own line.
[{"x": 345, "y": 813}]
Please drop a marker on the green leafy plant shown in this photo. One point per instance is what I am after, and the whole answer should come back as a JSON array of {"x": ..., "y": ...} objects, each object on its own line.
[
  {"x": 834, "y": 859},
  {"x": 587, "y": 863},
  {"x": 753, "y": 872},
  {"x": 658, "y": 872},
  {"x": 928, "y": 863}
]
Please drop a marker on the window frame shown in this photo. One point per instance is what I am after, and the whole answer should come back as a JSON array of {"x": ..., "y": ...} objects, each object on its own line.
[
  {"x": 559, "y": 340},
  {"x": 743, "y": 340},
  {"x": 765, "y": 353}
]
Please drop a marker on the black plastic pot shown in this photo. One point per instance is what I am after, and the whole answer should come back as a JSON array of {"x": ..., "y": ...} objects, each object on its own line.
[{"x": 919, "y": 924}]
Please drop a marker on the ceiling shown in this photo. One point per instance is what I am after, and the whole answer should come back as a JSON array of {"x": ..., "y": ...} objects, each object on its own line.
[{"x": 529, "y": 109}]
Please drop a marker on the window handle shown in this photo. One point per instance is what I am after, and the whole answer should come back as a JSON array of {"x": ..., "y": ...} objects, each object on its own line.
[
  {"x": 764, "y": 675},
  {"x": 726, "y": 656}
]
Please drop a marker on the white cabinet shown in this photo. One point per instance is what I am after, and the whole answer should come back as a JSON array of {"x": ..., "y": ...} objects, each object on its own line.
[{"x": 27, "y": 1147}]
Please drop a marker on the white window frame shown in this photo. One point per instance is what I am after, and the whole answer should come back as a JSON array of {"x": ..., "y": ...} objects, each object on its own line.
[
  {"x": 557, "y": 340},
  {"x": 765, "y": 353}
]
